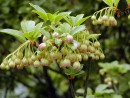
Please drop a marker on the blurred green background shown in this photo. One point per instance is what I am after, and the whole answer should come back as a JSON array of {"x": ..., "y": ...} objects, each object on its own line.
[{"x": 36, "y": 83}]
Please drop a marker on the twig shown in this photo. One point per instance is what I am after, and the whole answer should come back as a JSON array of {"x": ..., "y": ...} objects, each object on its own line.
[
  {"x": 71, "y": 87},
  {"x": 87, "y": 77}
]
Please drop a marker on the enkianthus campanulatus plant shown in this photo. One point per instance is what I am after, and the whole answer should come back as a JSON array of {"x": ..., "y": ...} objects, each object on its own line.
[
  {"x": 105, "y": 16},
  {"x": 68, "y": 42}
]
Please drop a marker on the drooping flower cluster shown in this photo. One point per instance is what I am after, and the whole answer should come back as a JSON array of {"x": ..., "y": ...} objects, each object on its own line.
[
  {"x": 66, "y": 42},
  {"x": 70, "y": 50},
  {"x": 105, "y": 16},
  {"x": 67, "y": 51}
]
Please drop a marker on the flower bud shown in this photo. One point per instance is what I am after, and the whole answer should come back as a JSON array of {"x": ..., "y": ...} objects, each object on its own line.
[
  {"x": 17, "y": 61},
  {"x": 97, "y": 44},
  {"x": 19, "y": 55},
  {"x": 69, "y": 39},
  {"x": 91, "y": 49},
  {"x": 65, "y": 63},
  {"x": 104, "y": 18},
  {"x": 93, "y": 17},
  {"x": 24, "y": 61},
  {"x": 42, "y": 46},
  {"x": 76, "y": 65},
  {"x": 11, "y": 64},
  {"x": 2, "y": 66},
  {"x": 99, "y": 21},
  {"x": 79, "y": 57},
  {"x": 44, "y": 62},
  {"x": 85, "y": 57},
  {"x": 83, "y": 48},
  {"x": 55, "y": 34},
  {"x": 112, "y": 21},
  {"x": 33, "y": 57},
  {"x": 96, "y": 57},
  {"x": 87, "y": 42},
  {"x": 37, "y": 63},
  {"x": 102, "y": 56}
]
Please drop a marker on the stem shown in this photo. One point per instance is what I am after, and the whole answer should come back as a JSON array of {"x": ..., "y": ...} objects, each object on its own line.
[
  {"x": 71, "y": 87},
  {"x": 87, "y": 77},
  {"x": 21, "y": 46}
]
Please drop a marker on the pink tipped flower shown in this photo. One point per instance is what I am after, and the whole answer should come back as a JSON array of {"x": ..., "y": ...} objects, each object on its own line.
[
  {"x": 69, "y": 39},
  {"x": 55, "y": 34},
  {"x": 42, "y": 46}
]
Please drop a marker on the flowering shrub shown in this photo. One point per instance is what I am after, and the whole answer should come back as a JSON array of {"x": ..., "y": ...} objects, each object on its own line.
[{"x": 65, "y": 40}]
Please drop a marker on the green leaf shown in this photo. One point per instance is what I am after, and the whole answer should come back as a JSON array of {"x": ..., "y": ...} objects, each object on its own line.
[
  {"x": 62, "y": 28},
  {"x": 73, "y": 19},
  {"x": 14, "y": 33},
  {"x": 51, "y": 17},
  {"x": 27, "y": 26},
  {"x": 28, "y": 35},
  {"x": 36, "y": 7},
  {"x": 37, "y": 30},
  {"x": 68, "y": 20},
  {"x": 78, "y": 17},
  {"x": 109, "y": 2},
  {"x": 101, "y": 87},
  {"x": 61, "y": 16},
  {"x": 41, "y": 15},
  {"x": 82, "y": 20},
  {"x": 78, "y": 29},
  {"x": 45, "y": 33}
]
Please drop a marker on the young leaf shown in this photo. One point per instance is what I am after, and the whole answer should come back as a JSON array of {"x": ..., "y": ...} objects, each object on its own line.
[
  {"x": 78, "y": 17},
  {"x": 41, "y": 15},
  {"x": 38, "y": 27},
  {"x": 78, "y": 29},
  {"x": 73, "y": 20},
  {"x": 51, "y": 17},
  {"x": 68, "y": 20},
  {"x": 61, "y": 16},
  {"x": 27, "y": 26},
  {"x": 45, "y": 33},
  {"x": 28, "y": 35},
  {"x": 36, "y": 7},
  {"x": 14, "y": 33},
  {"x": 82, "y": 20},
  {"x": 109, "y": 2},
  {"x": 37, "y": 30}
]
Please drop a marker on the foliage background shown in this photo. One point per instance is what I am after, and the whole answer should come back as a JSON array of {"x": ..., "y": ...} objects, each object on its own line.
[{"x": 37, "y": 83}]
